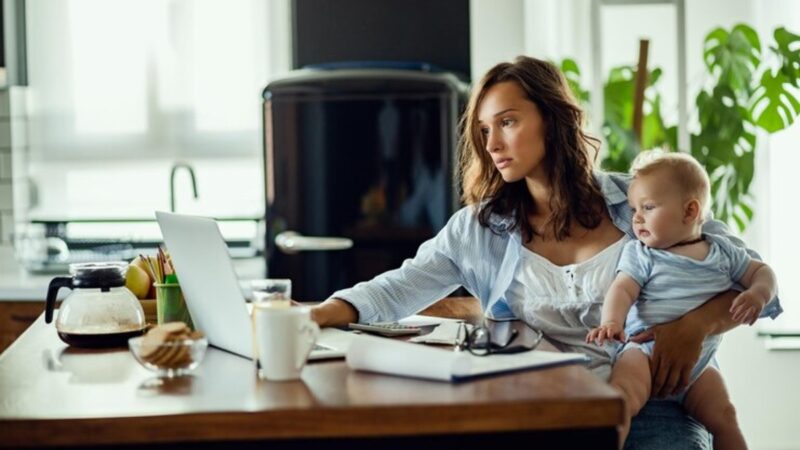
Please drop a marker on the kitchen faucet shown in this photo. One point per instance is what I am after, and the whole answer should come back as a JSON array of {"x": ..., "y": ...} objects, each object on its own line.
[{"x": 175, "y": 168}]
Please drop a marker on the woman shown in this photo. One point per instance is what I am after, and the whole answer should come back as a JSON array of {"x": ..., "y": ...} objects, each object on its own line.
[{"x": 541, "y": 235}]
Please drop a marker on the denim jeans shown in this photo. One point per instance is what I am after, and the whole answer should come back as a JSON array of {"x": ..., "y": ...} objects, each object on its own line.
[{"x": 663, "y": 424}]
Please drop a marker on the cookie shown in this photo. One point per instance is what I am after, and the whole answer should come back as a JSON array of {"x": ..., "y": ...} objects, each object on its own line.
[
  {"x": 159, "y": 335},
  {"x": 163, "y": 345}
]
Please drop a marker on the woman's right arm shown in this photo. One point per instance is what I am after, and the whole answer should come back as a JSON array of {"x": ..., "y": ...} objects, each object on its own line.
[
  {"x": 441, "y": 265},
  {"x": 334, "y": 312}
]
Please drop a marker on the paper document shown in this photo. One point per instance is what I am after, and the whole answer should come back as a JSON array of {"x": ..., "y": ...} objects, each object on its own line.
[
  {"x": 396, "y": 357},
  {"x": 421, "y": 321}
]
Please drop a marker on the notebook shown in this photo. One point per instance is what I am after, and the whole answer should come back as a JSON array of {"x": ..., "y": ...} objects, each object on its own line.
[
  {"x": 396, "y": 357},
  {"x": 211, "y": 288}
]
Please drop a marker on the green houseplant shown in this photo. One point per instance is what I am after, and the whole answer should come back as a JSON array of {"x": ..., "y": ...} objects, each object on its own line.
[{"x": 747, "y": 89}]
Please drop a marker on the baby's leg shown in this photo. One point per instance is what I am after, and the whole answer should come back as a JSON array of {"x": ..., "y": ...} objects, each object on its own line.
[
  {"x": 631, "y": 376},
  {"x": 707, "y": 401}
]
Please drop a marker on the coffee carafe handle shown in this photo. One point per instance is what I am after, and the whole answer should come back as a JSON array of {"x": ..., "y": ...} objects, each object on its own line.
[{"x": 52, "y": 291}]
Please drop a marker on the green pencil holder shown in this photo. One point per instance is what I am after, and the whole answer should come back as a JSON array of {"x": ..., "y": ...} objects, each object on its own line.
[{"x": 170, "y": 304}]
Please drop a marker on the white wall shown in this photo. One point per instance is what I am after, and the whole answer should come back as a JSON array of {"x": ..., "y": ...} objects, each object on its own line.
[
  {"x": 496, "y": 33},
  {"x": 764, "y": 385},
  {"x": 6, "y": 196}
]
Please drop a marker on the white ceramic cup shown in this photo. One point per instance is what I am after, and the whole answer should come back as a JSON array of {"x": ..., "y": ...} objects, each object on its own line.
[{"x": 283, "y": 338}]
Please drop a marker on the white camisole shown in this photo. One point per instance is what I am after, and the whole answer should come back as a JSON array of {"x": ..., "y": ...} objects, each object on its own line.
[{"x": 565, "y": 302}]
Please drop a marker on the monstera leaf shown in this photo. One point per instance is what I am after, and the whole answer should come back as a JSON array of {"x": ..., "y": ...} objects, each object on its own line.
[
  {"x": 728, "y": 202},
  {"x": 725, "y": 146},
  {"x": 789, "y": 51},
  {"x": 722, "y": 119},
  {"x": 774, "y": 106},
  {"x": 733, "y": 56}
]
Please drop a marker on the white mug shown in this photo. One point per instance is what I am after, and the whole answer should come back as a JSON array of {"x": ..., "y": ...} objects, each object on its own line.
[{"x": 283, "y": 338}]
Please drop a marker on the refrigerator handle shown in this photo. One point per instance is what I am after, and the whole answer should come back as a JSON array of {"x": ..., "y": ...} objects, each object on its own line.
[{"x": 291, "y": 242}]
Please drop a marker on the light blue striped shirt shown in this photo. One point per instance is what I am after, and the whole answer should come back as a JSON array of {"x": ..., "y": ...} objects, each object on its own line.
[{"x": 483, "y": 260}]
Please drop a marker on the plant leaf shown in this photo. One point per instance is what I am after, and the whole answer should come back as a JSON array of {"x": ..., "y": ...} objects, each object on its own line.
[
  {"x": 654, "y": 132},
  {"x": 671, "y": 135},
  {"x": 774, "y": 107},
  {"x": 790, "y": 59},
  {"x": 733, "y": 56},
  {"x": 747, "y": 210},
  {"x": 618, "y": 95},
  {"x": 622, "y": 147},
  {"x": 571, "y": 71},
  {"x": 740, "y": 224},
  {"x": 725, "y": 146},
  {"x": 721, "y": 122}
]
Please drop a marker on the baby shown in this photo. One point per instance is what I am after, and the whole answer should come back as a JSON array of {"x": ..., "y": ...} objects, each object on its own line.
[{"x": 672, "y": 269}]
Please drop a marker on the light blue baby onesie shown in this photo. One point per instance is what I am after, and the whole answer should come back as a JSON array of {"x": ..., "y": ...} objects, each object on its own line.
[{"x": 672, "y": 285}]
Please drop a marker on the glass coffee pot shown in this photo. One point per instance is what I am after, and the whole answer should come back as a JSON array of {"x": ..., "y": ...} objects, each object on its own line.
[{"x": 100, "y": 311}]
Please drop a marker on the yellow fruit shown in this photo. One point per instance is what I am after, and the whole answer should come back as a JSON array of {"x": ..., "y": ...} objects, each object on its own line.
[
  {"x": 142, "y": 264},
  {"x": 139, "y": 262},
  {"x": 137, "y": 281}
]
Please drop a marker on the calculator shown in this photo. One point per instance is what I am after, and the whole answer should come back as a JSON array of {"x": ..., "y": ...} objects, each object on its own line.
[{"x": 386, "y": 328}]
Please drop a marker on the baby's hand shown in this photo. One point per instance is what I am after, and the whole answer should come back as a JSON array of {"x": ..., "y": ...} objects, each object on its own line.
[
  {"x": 746, "y": 307},
  {"x": 608, "y": 331}
]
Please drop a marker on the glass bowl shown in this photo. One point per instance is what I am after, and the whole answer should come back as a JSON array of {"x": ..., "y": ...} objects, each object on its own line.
[{"x": 171, "y": 358}]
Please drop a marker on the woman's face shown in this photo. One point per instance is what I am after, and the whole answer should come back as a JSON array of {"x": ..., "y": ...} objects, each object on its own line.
[{"x": 513, "y": 130}]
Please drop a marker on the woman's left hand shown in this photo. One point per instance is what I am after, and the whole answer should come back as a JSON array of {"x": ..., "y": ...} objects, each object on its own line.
[{"x": 676, "y": 350}]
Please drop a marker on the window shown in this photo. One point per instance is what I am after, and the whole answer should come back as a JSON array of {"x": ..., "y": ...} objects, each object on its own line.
[
  {"x": 120, "y": 90},
  {"x": 781, "y": 219}
]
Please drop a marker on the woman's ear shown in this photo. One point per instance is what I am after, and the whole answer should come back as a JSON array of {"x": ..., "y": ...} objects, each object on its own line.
[{"x": 692, "y": 211}]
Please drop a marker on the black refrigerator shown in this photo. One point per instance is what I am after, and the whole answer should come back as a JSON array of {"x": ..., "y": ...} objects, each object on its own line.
[{"x": 359, "y": 170}]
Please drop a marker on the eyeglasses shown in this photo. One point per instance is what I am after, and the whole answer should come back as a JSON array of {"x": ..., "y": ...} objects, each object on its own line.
[{"x": 479, "y": 341}]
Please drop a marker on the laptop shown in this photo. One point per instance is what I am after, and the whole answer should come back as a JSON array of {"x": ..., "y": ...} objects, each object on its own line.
[{"x": 212, "y": 291}]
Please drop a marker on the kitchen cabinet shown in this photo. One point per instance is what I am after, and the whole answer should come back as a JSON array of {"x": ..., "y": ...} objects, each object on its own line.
[{"x": 15, "y": 318}]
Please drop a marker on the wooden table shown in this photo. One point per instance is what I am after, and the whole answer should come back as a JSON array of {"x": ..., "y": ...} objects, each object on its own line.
[{"x": 55, "y": 395}]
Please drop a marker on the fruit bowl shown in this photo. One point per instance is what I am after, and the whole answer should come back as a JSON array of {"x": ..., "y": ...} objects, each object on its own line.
[{"x": 171, "y": 358}]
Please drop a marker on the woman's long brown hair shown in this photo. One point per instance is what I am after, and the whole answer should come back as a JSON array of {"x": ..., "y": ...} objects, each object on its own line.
[{"x": 567, "y": 161}]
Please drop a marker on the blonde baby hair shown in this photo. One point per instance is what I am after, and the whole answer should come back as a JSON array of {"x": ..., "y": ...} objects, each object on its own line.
[{"x": 685, "y": 171}]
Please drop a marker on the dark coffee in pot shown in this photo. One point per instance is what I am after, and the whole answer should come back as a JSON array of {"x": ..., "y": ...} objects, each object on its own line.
[{"x": 99, "y": 340}]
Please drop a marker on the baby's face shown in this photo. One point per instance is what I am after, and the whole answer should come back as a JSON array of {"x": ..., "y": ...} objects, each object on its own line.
[{"x": 658, "y": 211}]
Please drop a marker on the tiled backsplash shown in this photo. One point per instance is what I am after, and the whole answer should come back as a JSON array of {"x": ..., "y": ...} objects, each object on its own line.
[
  {"x": 13, "y": 144},
  {"x": 6, "y": 194}
]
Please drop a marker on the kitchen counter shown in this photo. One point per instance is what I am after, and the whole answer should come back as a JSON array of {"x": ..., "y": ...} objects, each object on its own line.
[{"x": 17, "y": 284}]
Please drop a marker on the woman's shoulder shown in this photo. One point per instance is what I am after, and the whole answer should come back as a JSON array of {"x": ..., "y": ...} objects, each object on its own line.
[
  {"x": 613, "y": 185},
  {"x": 467, "y": 219}
]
